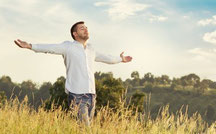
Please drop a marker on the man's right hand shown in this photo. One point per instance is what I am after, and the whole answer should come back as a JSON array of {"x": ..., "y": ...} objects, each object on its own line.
[{"x": 22, "y": 44}]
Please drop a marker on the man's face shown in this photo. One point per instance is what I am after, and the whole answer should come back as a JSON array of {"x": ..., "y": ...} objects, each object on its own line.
[{"x": 82, "y": 32}]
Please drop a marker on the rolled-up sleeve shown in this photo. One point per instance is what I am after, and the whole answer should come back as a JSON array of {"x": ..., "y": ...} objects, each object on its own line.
[
  {"x": 59, "y": 49},
  {"x": 109, "y": 59}
]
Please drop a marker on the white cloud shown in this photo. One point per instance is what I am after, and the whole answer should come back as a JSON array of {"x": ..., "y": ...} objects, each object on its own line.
[
  {"x": 101, "y": 3},
  {"x": 205, "y": 22},
  {"x": 38, "y": 12},
  {"x": 204, "y": 55},
  {"x": 202, "y": 52},
  {"x": 186, "y": 17},
  {"x": 202, "y": 62},
  {"x": 59, "y": 13},
  {"x": 159, "y": 18},
  {"x": 121, "y": 9},
  {"x": 210, "y": 37},
  {"x": 19, "y": 6},
  {"x": 38, "y": 9}
]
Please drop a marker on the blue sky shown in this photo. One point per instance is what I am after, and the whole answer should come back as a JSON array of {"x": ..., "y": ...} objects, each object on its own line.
[{"x": 163, "y": 37}]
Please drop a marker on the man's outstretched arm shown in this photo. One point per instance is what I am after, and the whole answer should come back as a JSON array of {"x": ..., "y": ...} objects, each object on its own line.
[
  {"x": 44, "y": 48},
  {"x": 99, "y": 57}
]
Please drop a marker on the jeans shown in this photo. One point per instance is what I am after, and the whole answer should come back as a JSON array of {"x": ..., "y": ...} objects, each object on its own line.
[{"x": 85, "y": 104}]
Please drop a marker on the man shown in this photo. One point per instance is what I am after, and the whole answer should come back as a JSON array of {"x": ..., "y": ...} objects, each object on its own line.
[{"x": 79, "y": 57}]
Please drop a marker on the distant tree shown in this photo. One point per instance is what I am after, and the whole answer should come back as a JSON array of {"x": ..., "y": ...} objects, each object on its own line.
[
  {"x": 135, "y": 75},
  {"x": 28, "y": 85},
  {"x": 100, "y": 76},
  {"x": 137, "y": 100},
  {"x": 190, "y": 80},
  {"x": 12, "y": 90},
  {"x": 208, "y": 83},
  {"x": 213, "y": 85},
  {"x": 165, "y": 79},
  {"x": 176, "y": 81},
  {"x": 58, "y": 95},
  {"x": 176, "y": 84},
  {"x": 6, "y": 85},
  {"x": 193, "y": 78},
  {"x": 201, "y": 87},
  {"x": 127, "y": 82},
  {"x": 135, "y": 79},
  {"x": 210, "y": 113},
  {"x": 27, "y": 88},
  {"x": 109, "y": 91},
  {"x": 97, "y": 75},
  {"x": 149, "y": 78},
  {"x": 3, "y": 98},
  {"x": 42, "y": 94},
  {"x": 128, "y": 85}
]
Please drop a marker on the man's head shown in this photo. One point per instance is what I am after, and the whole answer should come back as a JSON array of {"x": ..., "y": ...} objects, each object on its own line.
[{"x": 79, "y": 31}]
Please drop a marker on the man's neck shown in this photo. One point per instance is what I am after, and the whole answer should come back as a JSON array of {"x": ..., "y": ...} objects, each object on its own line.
[{"x": 83, "y": 42}]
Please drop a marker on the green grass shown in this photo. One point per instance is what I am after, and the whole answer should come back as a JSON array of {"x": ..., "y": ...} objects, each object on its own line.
[{"x": 19, "y": 118}]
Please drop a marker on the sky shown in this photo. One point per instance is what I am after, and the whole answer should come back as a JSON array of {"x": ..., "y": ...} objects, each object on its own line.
[{"x": 172, "y": 37}]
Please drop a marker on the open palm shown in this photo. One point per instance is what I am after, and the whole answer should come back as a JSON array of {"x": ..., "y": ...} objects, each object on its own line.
[
  {"x": 22, "y": 44},
  {"x": 125, "y": 59}
]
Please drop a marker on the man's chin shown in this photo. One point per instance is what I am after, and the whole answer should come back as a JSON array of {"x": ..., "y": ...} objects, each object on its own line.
[{"x": 86, "y": 38}]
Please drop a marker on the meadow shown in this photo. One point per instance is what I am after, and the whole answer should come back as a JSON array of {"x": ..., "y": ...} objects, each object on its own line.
[{"x": 19, "y": 118}]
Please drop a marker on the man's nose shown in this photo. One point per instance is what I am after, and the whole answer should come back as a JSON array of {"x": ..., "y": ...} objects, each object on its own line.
[{"x": 86, "y": 31}]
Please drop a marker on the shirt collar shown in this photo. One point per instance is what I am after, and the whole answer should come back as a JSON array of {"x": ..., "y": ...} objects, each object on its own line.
[{"x": 80, "y": 44}]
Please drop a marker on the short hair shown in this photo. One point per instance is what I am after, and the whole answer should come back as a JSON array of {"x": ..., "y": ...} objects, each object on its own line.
[{"x": 74, "y": 28}]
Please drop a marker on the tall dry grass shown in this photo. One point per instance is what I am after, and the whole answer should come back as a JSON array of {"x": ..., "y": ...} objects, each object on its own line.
[{"x": 19, "y": 118}]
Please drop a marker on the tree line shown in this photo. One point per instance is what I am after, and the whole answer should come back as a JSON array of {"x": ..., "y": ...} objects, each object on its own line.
[{"x": 146, "y": 94}]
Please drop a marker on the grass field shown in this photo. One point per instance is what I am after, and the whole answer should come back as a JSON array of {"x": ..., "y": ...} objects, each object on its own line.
[{"x": 19, "y": 118}]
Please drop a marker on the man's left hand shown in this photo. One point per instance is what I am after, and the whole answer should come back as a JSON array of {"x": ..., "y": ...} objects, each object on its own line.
[{"x": 125, "y": 59}]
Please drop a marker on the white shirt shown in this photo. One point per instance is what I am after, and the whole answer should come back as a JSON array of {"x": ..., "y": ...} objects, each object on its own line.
[{"x": 79, "y": 64}]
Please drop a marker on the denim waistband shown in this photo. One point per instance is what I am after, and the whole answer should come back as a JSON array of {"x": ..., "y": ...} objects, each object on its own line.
[{"x": 83, "y": 94}]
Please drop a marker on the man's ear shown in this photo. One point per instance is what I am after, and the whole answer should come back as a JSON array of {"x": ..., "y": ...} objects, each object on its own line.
[{"x": 75, "y": 34}]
